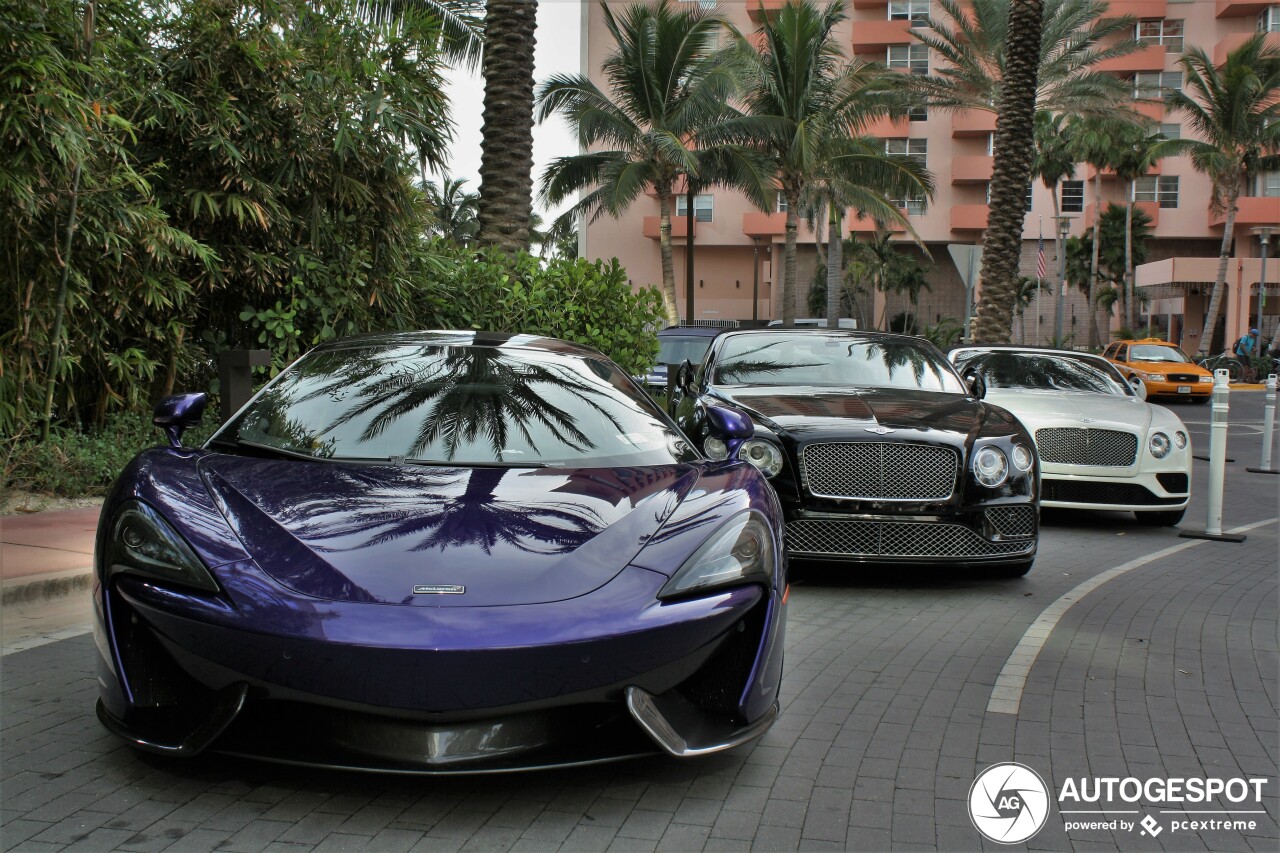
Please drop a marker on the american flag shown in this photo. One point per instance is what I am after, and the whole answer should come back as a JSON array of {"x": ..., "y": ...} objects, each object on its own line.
[{"x": 1040, "y": 267}]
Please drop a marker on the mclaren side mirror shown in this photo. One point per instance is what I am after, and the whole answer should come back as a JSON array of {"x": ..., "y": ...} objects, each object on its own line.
[
  {"x": 175, "y": 414},
  {"x": 1139, "y": 387},
  {"x": 732, "y": 426},
  {"x": 976, "y": 384}
]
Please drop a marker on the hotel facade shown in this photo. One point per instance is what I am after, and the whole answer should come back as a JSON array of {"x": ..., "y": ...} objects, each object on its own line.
[{"x": 738, "y": 248}]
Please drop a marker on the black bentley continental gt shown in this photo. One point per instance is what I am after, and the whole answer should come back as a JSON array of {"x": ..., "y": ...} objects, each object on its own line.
[{"x": 880, "y": 452}]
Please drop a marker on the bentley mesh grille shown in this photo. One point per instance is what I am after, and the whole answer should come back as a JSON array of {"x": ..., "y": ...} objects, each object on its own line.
[
  {"x": 1013, "y": 521},
  {"x": 894, "y": 539},
  {"x": 1078, "y": 446},
  {"x": 1088, "y": 492},
  {"x": 880, "y": 470}
]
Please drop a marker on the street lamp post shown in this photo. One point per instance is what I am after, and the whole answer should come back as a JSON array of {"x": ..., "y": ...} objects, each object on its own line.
[
  {"x": 1264, "y": 234},
  {"x": 1064, "y": 228},
  {"x": 755, "y": 283}
]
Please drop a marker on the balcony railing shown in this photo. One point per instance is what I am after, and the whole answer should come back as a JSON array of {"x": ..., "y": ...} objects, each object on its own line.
[
  {"x": 1241, "y": 8},
  {"x": 975, "y": 169},
  {"x": 969, "y": 217},
  {"x": 875, "y": 36},
  {"x": 1254, "y": 210},
  {"x": 1150, "y": 208},
  {"x": 1234, "y": 40},
  {"x": 1149, "y": 58},
  {"x": 679, "y": 227},
  {"x": 973, "y": 123}
]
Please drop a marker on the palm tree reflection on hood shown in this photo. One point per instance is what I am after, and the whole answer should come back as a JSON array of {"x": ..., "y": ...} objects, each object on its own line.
[{"x": 471, "y": 392}]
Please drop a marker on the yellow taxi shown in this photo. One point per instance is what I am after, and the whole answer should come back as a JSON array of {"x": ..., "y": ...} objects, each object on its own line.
[{"x": 1165, "y": 369}]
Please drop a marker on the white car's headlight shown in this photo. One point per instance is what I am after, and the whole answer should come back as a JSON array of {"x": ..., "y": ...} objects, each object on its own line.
[
  {"x": 990, "y": 466},
  {"x": 1180, "y": 440},
  {"x": 765, "y": 455},
  {"x": 1159, "y": 445},
  {"x": 715, "y": 448},
  {"x": 1022, "y": 457},
  {"x": 741, "y": 551}
]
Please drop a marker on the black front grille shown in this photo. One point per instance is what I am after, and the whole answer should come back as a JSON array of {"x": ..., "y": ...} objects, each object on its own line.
[
  {"x": 1176, "y": 483},
  {"x": 880, "y": 470},
  {"x": 833, "y": 537},
  {"x": 1184, "y": 377},
  {"x": 1013, "y": 522},
  {"x": 1084, "y": 492},
  {"x": 1081, "y": 446},
  {"x": 717, "y": 686}
]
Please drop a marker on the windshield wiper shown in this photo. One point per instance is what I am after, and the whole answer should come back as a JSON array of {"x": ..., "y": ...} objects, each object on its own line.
[{"x": 445, "y": 463}]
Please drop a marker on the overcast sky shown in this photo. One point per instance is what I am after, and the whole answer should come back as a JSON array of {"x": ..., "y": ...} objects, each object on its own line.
[{"x": 557, "y": 52}]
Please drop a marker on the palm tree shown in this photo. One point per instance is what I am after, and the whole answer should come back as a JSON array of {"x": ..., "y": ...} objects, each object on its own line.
[
  {"x": 803, "y": 104},
  {"x": 1235, "y": 112},
  {"x": 1011, "y": 173},
  {"x": 454, "y": 210},
  {"x": 1054, "y": 162},
  {"x": 667, "y": 85},
  {"x": 972, "y": 41},
  {"x": 1134, "y": 157}
]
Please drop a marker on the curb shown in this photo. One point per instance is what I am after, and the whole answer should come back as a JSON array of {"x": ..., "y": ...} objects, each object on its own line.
[{"x": 18, "y": 591}]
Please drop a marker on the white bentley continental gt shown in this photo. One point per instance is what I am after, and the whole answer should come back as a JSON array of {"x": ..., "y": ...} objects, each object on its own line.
[{"x": 1101, "y": 445}]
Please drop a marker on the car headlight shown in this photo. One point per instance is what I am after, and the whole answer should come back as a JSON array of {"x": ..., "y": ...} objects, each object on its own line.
[
  {"x": 143, "y": 543},
  {"x": 1207, "y": 380},
  {"x": 1023, "y": 458},
  {"x": 715, "y": 448},
  {"x": 990, "y": 466},
  {"x": 765, "y": 455},
  {"x": 1159, "y": 445},
  {"x": 741, "y": 551},
  {"x": 1155, "y": 377},
  {"x": 1180, "y": 440}
]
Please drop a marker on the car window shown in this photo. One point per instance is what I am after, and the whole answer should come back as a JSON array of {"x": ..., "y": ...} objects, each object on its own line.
[
  {"x": 458, "y": 405},
  {"x": 832, "y": 360},
  {"x": 1042, "y": 372},
  {"x": 1110, "y": 352},
  {"x": 674, "y": 349},
  {"x": 1156, "y": 352},
  {"x": 1122, "y": 353}
]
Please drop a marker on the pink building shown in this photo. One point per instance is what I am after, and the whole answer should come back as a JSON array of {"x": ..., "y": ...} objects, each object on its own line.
[{"x": 736, "y": 244}]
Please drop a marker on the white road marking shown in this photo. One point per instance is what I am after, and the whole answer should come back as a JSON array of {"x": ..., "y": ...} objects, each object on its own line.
[{"x": 1006, "y": 695}]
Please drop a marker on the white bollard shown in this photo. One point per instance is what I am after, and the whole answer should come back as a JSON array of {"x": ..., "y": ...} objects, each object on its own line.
[
  {"x": 1268, "y": 429},
  {"x": 1217, "y": 464}
]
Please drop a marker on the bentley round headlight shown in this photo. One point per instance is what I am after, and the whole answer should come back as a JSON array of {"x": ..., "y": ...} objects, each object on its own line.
[
  {"x": 1159, "y": 445},
  {"x": 990, "y": 466},
  {"x": 1022, "y": 457},
  {"x": 1180, "y": 440},
  {"x": 765, "y": 455},
  {"x": 715, "y": 448}
]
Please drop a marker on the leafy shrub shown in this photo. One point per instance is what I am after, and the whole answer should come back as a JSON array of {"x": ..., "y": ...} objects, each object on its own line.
[
  {"x": 576, "y": 300},
  {"x": 71, "y": 463}
]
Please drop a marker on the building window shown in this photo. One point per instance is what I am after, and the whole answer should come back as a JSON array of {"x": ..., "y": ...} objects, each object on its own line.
[
  {"x": 1267, "y": 184},
  {"x": 915, "y": 11},
  {"x": 1161, "y": 31},
  {"x": 1162, "y": 189},
  {"x": 782, "y": 203},
  {"x": 1156, "y": 84},
  {"x": 1072, "y": 196},
  {"x": 1269, "y": 20},
  {"x": 703, "y": 207},
  {"x": 909, "y": 57},
  {"x": 917, "y": 114},
  {"x": 988, "y": 194},
  {"x": 991, "y": 145},
  {"x": 1171, "y": 131},
  {"x": 916, "y": 149},
  {"x": 914, "y": 205},
  {"x": 709, "y": 6}
]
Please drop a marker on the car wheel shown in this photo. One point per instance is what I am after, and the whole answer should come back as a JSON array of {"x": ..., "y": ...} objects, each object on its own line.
[
  {"x": 1166, "y": 518},
  {"x": 1200, "y": 401},
  {"x": 1009, "y": 570}
]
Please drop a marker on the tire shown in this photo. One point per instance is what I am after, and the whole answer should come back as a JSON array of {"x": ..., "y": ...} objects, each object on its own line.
[
  {"x": 1200, "y": 401},
  {"x": 1008, "y": 570},
  {"x": 1164, "y": 518}
]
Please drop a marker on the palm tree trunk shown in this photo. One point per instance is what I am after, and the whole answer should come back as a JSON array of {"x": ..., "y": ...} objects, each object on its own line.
[
  {"x": 1128, "y": 260},
  {"x": 1093, "y": 262},
  {"x": 1015, "y": 127},
  {"x": 1224, "y": 257},
  {"x": 506, "y": 157},
  {"x": 835, "y": 247},
  {"x": 1057, "y": 257},
  {"x": 664, "y": 251},
  {"x": 789, "y": 258}
]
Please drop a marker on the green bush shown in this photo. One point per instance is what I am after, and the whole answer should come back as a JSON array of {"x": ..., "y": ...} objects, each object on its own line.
[
  {"x": 575, "y": 300},
  {"x": 74, "y": 464}
]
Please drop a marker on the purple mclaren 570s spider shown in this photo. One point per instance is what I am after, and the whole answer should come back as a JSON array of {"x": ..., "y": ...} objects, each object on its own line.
[{"x": 448, "y": 552}]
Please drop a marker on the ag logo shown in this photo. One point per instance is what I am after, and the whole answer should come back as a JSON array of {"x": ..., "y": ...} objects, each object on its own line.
[{"x": 1008, "y": 803}]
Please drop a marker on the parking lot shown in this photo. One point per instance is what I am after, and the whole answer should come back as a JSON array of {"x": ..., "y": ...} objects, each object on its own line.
[{"x": 1127, "y": 652}]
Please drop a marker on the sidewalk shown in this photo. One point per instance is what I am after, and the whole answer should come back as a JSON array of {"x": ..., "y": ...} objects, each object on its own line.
[{"x": 46, "y": 554}]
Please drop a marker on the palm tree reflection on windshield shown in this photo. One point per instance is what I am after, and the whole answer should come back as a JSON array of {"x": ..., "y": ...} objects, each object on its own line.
[
  {"x": 897, "y": 356},
  {"x": 751, "y": 367},
  {"x": 472, "y": 392}
]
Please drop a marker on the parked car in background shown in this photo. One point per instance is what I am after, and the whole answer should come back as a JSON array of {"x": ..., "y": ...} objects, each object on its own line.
[
  {"x": 677, "y": 344},
  {"x": 1163, "y": 368},
  {"x": 440, "y": 551},
  {"x": 877, "y": 449},
  {"x": 1101, "y": 445}
]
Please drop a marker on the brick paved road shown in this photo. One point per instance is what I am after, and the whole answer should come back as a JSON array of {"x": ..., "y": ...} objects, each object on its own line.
[{"x": 1170, "y": 669}]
